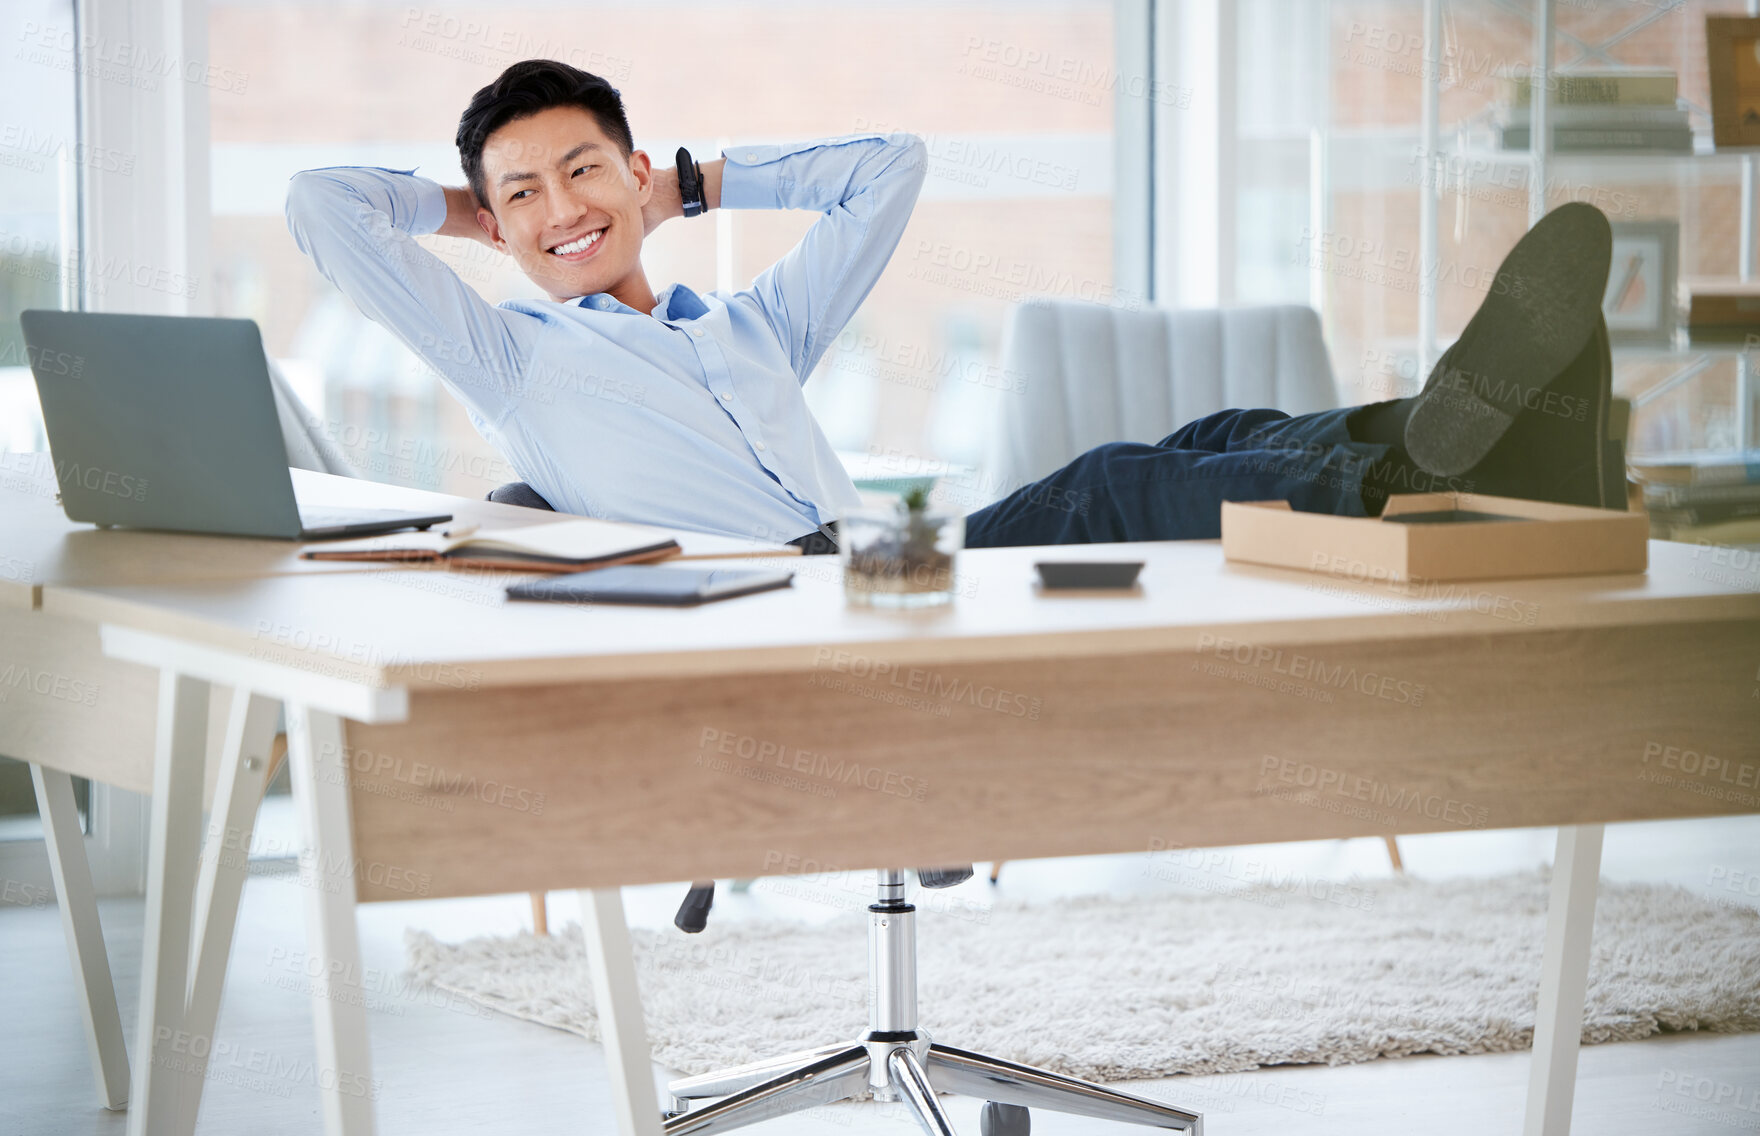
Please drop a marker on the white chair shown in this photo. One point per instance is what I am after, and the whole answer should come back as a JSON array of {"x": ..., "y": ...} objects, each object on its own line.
[
  {"x": 1080, "y": 375},
  {"x": 308, "y": 447}
]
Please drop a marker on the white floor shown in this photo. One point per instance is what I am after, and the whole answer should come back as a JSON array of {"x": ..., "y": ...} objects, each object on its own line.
[{"x": 443, "y": 1067}]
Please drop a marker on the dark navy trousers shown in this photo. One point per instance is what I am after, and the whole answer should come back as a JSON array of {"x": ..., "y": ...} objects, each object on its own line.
[{"x": 1174, "y": 489}]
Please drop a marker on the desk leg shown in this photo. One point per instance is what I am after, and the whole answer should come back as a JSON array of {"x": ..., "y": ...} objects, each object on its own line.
[
  {"x": 244, "y": 771},
  {"x": 162, "y": 1046},
  {"x": 621, "y": 1028},
  {"x": 66, "y": 845},
  {"x": 319, "y": 768},
  {"x": 1564, "y": 981}
]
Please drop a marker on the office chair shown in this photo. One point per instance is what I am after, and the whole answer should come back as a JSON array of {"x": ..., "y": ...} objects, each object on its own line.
[{"x": 895, "y": 1059}]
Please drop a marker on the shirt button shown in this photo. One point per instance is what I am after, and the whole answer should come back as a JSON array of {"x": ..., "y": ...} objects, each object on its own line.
[
  {"x": 751, "y": 157},
  {"x": 697, "y": 331},
  {"x": 727, "y": 396},
  {"x": 759, "y": 446}
]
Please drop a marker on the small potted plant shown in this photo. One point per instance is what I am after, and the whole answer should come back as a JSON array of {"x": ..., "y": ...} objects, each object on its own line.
[{"x": 900, "y": 554}]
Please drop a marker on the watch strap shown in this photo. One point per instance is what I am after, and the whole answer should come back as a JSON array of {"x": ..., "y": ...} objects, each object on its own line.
[{"x": 690, "y": 183}]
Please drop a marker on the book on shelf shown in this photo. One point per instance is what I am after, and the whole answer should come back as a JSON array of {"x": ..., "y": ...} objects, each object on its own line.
[
  {"x": 1741, "y": 499},
  {"x": 1603, "y": 116},
  {"x": 1652, "y": 86},
  {"x": 1738, "y": 532},
  {"x": 1696, "y": 517},
  {"x": 1580, "y": 140},
  {"x": 1741, "y": 468},
  {"x": 1711, "y": 304}
]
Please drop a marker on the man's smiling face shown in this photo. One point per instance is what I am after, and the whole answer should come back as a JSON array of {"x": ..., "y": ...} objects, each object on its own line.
[{"x": 565, "y": 202}]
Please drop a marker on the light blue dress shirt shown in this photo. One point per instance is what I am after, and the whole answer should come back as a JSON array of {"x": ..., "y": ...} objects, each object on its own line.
[{"x": 690, "y": 417}]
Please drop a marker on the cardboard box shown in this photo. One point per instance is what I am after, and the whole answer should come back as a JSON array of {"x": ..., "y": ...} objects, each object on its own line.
[{"x": 1537, "y": 539}]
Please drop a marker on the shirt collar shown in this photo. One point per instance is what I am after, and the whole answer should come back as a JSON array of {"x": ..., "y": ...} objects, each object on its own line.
[{"x": 674, "y": 302}]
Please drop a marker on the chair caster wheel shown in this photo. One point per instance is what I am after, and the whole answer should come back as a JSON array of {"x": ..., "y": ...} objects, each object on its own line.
[{"x": 1004, "y": 1120}]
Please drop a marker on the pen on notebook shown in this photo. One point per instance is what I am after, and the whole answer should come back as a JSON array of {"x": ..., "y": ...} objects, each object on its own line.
[{"x": 454, "y": 532}]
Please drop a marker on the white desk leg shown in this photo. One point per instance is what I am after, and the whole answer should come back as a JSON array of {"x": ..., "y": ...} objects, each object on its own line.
[
  {"x": 1564, "y": 980},
  {"x": 244, "y": 769},
  {"x": 319, "y": 767},
  {"x": 66, "y": 846},
  {"x": 621, "y": 1028},
  {"x": 162, "y": 1046}
]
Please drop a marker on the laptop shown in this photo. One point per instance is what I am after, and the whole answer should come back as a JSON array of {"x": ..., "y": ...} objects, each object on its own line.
[{"x": 168, "y": 422}]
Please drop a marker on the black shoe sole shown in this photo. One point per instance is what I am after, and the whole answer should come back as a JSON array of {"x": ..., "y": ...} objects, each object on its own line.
[
  {"x": 1563, "y": 459},
  {"x": 1541, "y": 310}
]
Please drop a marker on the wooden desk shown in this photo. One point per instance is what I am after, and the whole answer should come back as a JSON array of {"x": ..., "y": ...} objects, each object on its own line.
[
  {"x": 1220, "y": 703},
  {"x": 72, "y": 711}
]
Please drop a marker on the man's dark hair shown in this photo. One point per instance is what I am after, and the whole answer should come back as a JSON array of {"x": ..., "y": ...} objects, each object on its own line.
[{"x": 530, "y": 86}]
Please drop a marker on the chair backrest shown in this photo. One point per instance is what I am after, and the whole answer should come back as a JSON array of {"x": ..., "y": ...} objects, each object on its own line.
[
  {"x": 1083, "y": 374},
  {"x": 309, "y": 446}
]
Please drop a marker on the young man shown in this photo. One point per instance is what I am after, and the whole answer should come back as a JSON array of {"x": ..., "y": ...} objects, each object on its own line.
[{"x": 685, "y": 410}]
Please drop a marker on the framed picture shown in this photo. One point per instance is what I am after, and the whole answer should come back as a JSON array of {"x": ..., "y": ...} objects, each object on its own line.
[
  {"x": 1733, "y": 43},
  {"x": 1640, "y": 303}
]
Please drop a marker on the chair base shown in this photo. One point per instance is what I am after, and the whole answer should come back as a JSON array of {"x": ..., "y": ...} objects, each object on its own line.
[
  {"x": 897, "y": 1061},
  {"x": 912, "y": 1070}
]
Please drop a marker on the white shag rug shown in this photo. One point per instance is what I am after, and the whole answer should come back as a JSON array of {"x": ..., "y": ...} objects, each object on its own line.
[{"x": 1110, "y": 989}]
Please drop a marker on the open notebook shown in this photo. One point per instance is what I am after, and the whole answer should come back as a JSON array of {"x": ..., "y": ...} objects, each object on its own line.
[{"x": 561, "y": 546}]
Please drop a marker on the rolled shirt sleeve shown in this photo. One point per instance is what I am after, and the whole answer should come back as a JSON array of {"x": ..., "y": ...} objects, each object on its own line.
[
  {"x": 866, "y": 186},
  {"x": 359, "y": 224}
]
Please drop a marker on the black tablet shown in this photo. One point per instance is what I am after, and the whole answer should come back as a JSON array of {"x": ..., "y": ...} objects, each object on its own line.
[{"x": 646, "y": 584}]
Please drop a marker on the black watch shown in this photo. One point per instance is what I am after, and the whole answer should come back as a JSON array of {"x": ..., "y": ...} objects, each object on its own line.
[{"x": 690, "y": 183}]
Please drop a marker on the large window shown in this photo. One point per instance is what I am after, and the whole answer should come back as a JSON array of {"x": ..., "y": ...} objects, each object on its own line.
[
  {"x": 1015, "y": 100},
  {"x": 40, "y": 158},
  {"x": 1331, "y": 170}
]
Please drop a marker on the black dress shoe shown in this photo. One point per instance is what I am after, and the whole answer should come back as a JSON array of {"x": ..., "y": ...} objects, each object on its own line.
[
  {"x": 1544, "y": 305},
  {"x": 1557, "y": 450}
]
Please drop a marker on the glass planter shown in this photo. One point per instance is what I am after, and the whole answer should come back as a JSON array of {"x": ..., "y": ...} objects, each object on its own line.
[{"x": 894, "y": 556}]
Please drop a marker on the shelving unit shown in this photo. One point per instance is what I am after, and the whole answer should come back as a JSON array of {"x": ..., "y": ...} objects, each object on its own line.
[{"x": 1694, "y": 359}]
